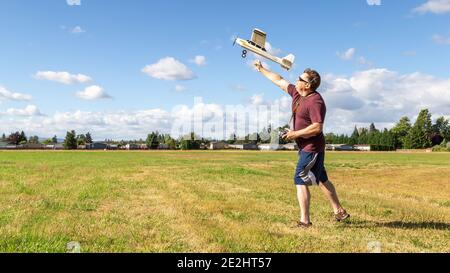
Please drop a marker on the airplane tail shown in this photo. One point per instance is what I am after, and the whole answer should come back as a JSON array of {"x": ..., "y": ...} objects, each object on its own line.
[{"x": 288, "y": 61}]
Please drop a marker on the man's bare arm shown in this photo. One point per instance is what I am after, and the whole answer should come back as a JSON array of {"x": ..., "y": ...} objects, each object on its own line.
[
  {"x": 313, "y": 130},
  {"x": 275, "y": 78}
]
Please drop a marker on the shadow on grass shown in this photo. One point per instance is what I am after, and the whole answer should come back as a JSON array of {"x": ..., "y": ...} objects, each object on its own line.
[{"x": 398, "y": 224}]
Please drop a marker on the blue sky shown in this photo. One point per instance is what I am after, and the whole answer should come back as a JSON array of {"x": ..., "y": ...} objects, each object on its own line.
[{"x": 364, "y": 52}]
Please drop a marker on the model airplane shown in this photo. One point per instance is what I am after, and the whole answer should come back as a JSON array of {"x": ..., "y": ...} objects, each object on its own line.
[{"x": 257, "y": 45}]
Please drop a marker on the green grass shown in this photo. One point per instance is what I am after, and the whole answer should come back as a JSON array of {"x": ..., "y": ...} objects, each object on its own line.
[{"x": 221, "y": 201}]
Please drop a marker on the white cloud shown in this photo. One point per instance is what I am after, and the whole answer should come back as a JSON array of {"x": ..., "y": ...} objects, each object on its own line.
[
  {"x": 73, "y": 2},
  {"x": 434, "y": 6},
  {"x": 199, "y": 60},
  {"x": 347, "y": 55},
  {"x": 117, "y": 124},
  {"x": 78, "y": 30},
  {"x": 382, "y": 96},
  {"x": 137, "y": 124},
  {"x": 441, "y": 40},
  {"x": 257, "y": 99},
  {"x": 5, "y": 94},
  {"x": 94, "y": 92},
  {"x": 180, "y": 88},
  {"x": 363, "y": 61},
  {"x": 30, "y": 110},
  {"x": 62, "y": 77},
  {"x": 374, "y": 2},
  {"x": 375, "y": 95},
  {"x": 169, "y": 69}
]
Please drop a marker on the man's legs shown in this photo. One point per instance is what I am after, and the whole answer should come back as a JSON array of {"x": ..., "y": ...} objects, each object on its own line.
[
  {"x": 304, "y": 198},
  {"x": 329, "y": 190}
]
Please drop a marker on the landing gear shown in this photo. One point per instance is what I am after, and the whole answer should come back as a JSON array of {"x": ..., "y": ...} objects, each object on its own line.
[{"x": 244, "y": 54}]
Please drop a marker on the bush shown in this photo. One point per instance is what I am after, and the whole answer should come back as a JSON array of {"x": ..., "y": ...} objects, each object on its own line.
[
  {"x": 381, "y": 148},
  {"x": 441, "y": 148}
]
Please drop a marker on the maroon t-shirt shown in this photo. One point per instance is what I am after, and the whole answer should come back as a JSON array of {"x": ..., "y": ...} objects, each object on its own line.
[{"x": 309, "y": 110}]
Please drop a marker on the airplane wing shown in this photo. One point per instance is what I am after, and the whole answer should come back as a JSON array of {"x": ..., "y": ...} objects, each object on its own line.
[{"x": 259, "y": 38}]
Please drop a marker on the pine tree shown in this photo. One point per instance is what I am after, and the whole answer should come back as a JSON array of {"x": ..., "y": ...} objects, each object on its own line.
[
  {"x": 442, "y": 127},
  {"x": 55, "y": 139},
  {"x": 70, "y": 142},
  {"x": 400, "y": 132},
  {"x": 329, "y": 138},
  {"x": 232, "y": 139},
  {"x": 88, "y": 138},
  {"x": 81, "y": 139},
  {"x": 355, "y": 137},
  {"x": 372, "y": 129},
  {"x": 363, "y": 136},
  {"x": 418, "y": 137},
  {"x": 152, "y": 141},
  {"x": 23, "y": 137}
]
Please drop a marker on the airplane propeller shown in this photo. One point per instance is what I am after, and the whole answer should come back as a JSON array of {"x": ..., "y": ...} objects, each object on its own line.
[{"x": 234, "y": 38}]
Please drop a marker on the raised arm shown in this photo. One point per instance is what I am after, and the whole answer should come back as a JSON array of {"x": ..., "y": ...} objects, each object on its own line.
[{"x": 275, "y": 78}]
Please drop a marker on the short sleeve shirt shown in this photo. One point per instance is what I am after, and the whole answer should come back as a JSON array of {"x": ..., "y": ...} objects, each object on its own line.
[{"x": 306, "y": 111}]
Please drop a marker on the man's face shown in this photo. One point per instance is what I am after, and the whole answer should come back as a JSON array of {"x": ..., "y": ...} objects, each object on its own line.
[{"x": 303, "y": 83}]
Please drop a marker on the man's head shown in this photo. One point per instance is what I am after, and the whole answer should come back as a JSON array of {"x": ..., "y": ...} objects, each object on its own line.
[{"x": 309, "y": 81}]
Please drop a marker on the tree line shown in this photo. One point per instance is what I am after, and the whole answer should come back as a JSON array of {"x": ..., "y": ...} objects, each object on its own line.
[{"x": 404, "y": 135}]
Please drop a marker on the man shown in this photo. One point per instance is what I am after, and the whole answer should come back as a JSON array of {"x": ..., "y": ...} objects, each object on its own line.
[{"x": 309, "y": 112}]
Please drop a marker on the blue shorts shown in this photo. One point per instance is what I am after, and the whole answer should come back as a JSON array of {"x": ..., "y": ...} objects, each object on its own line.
[{"x": 310, "y": 163}]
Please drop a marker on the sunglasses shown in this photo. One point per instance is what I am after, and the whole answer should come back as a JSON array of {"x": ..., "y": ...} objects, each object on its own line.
[{"x": 302, "y": 80}]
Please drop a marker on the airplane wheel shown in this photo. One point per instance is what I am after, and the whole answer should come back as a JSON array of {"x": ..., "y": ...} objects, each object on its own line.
[{"x": 244, "y": 54}]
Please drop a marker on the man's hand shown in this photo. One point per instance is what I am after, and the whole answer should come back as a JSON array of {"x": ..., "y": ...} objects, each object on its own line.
[
  {"x": 258, "y": 65},
  {"x": 275, "y": 78},
  {"x": 309, "y": 132},
  {"x": 290, "y": 135}
]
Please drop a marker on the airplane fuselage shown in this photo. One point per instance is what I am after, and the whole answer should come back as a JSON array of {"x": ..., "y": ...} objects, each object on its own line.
[{"x": 248, "y": 45}]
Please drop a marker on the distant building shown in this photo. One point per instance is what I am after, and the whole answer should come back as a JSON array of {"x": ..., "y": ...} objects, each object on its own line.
[
  {"x": 345, "y": 148},
  {"x": 96, "y": 146},
  {"x": 330, "y": 147},
  {"x": 339, "y": 147},
  {"x": 33, "y": 146},
  {"x": 364, "y": 148},
  {"x": 291, "y": 146},
  {"x": 163, "y": 146},
  {"x": 142, "y": 146},
  {"x": 270, "y": 147},
  {"x": 57, "y": 146},
  {"x": 217, "y": 145},
  {"x": 3, "y": 145},
  {"x": 247, "y": 146},
  {"x": 132, "y": 146},
  {"x": 12, "y": 147},
  {"x": 113, "y": 147}
]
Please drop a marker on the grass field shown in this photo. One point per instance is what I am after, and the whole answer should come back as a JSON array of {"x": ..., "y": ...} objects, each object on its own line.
[{"x": 221, "y": 201}]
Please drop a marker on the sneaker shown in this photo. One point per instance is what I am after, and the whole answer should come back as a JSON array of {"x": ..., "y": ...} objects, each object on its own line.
[
  {"x": 303, "y": 225},
  {"x": 341, "y": 215}
]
